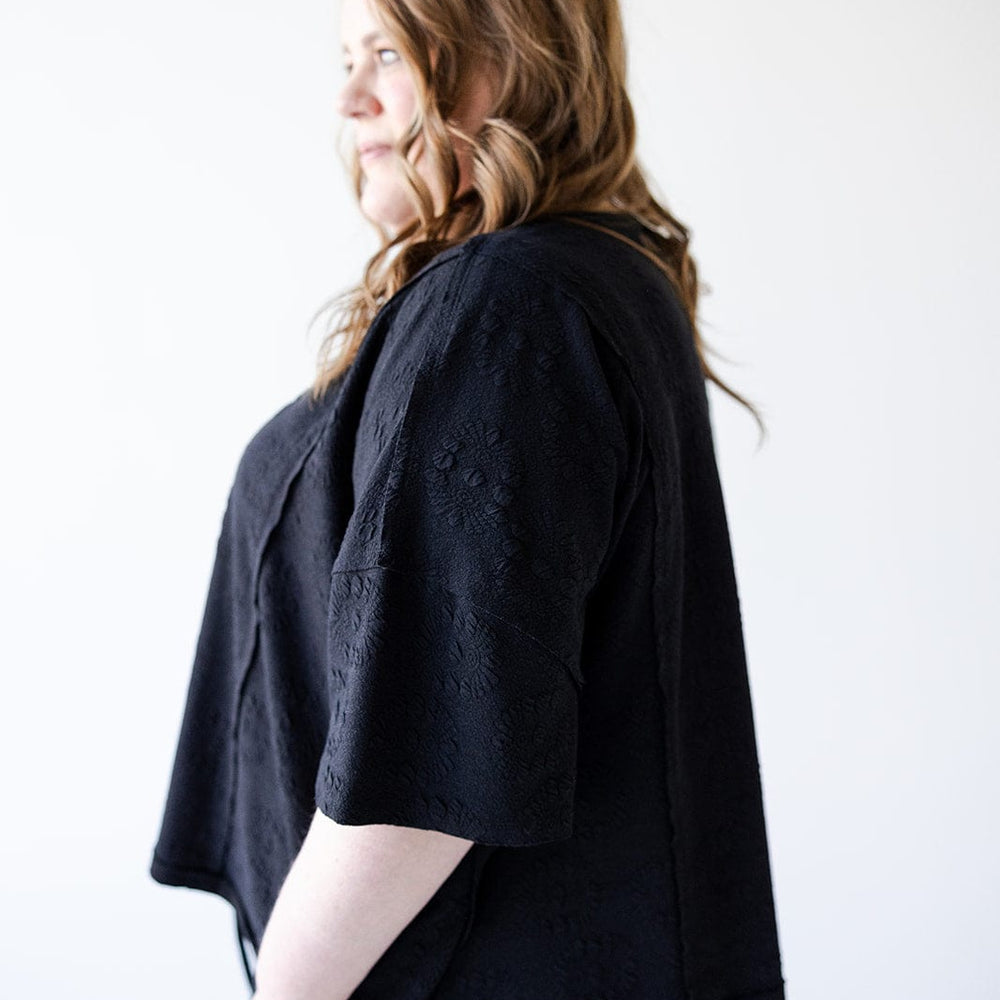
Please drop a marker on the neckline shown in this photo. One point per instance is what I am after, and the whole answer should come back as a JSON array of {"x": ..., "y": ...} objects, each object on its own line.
[
  {"x": 624, "y": 223},
  {"x": 596, "y": 215},
  {"x": 621, "y": 221}
]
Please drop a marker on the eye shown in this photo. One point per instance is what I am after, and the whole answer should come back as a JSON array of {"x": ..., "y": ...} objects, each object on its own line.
[{"x": 387, "y": 56}]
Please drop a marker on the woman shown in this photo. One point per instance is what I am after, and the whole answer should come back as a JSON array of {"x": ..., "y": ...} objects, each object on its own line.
[{"x": 469, "y": 716}]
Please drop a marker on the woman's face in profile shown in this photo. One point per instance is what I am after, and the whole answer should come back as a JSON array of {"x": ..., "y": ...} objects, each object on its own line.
[{"x": 379, "y": 98}]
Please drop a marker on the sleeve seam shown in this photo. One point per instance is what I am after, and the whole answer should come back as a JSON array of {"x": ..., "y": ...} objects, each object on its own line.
[
  {"x": 574, "y": 673},
  {"x": 571, "y": 296}
]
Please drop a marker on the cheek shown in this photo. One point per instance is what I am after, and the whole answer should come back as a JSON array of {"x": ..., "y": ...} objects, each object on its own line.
[{"x": 400, "y": 103}]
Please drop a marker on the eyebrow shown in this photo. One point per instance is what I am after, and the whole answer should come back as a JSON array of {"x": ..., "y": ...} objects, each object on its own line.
[{"x": 366, "y": 40}]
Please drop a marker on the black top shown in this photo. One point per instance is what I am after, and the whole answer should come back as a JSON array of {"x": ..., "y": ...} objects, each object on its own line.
[{"x": 486, "y": 587}]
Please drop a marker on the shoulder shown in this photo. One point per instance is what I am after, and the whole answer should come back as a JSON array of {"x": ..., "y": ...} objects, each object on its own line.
[
  {"x": 506, "y": 309},
  {"x": 491, "y": 286},
  {"x": 497, "y": 329},
  {"x": 530, "y": 293},
  {"x": 546, "y": 262}
]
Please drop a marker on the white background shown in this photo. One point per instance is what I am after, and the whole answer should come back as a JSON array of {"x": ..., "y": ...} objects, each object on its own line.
[{"x": 172, "y": 212}]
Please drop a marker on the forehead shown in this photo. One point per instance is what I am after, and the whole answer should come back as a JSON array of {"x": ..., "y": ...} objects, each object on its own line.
[{"x": 358, "y": 25}]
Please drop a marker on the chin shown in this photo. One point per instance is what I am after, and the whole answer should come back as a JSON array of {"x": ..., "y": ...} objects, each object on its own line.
[{"x": 388, "y": 208}]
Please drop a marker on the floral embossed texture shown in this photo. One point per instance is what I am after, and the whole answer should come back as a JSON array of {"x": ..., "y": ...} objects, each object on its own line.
[
  {"x": 527, "y": 453},
  {"x": 473, "y": 590},
  {"x": 454, "y": 638},
  {"x": 444, "y": 717}
]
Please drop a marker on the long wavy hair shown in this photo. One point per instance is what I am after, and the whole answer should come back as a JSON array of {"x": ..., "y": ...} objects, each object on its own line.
[{"x": 561, "y": 137}]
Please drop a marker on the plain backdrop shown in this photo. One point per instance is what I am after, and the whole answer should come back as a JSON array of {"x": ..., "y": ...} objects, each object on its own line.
[{"x": 172, "y": 213}]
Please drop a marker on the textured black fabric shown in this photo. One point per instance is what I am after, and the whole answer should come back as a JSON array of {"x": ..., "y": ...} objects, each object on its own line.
[{"x": 486, "y": 587}]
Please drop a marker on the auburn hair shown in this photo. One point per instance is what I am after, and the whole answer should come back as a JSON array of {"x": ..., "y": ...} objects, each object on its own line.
[{"x": 560, "y": 137}]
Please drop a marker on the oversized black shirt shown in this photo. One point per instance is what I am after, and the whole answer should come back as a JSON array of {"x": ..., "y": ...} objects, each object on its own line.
[{"x": 485, "y": 586}]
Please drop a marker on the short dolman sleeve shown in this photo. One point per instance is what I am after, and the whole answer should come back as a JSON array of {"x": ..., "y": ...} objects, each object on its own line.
[{"x": 487, "y": 464}]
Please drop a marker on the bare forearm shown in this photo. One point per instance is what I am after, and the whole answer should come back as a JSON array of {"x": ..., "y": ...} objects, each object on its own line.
[{"x": 349, "y": 893}]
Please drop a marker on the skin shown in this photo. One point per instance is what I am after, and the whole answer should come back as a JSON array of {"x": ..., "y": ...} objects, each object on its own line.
[
  {"x": 379, "y": 99},
  {"x": 348, "y": 895}
]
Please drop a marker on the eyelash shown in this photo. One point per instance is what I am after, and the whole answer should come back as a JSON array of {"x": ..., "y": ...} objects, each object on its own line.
[{"x": 348, "y": 66}]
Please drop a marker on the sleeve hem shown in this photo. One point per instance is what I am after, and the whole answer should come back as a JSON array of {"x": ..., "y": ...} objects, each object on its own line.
[{"x": 354, "y": 815}]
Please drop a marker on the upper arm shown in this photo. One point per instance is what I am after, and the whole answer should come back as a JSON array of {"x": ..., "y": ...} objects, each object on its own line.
[{"x": 488, "y": 474}]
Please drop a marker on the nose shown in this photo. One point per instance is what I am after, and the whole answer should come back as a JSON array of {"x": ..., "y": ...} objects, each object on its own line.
[{"x": 356, "y": 98}]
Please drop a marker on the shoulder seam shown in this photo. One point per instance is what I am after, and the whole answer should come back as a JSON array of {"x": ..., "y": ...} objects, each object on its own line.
[
  {"x": 562, "y": 292},
  {"x": 457, "y": 275},
  {"x": 570, "y": 296}
]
